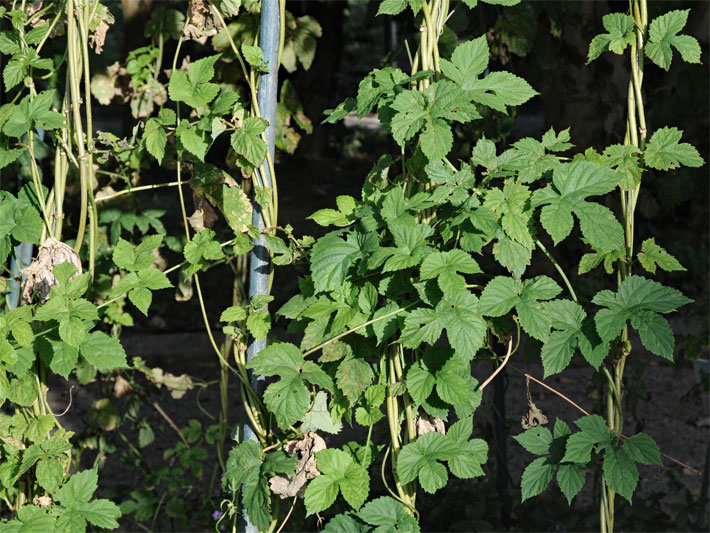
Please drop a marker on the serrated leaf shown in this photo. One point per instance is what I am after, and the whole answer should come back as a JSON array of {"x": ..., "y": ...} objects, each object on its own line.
[
  {"x": 571, "y": 326},
  {"x": 49, "y": 473},
  {"x": 499, "y": 89},
  {"x": 155, "y": 139},
  {"x": 536, "y": 477},
  {"x": 392, "y": 7},
  {"x": 620, "y": 472},
  {"x": 620, "y": 28},
  {"x": 288, "y": 398},
  {"x": 103, "y": 351},
  {"x": 571, "y": 185},
  {"x": 203, "y": 247},
  {"x": 192, "y": 139},
  {"x": 331, "y": 257},
  {"x": 652, "y": 255},
  {"x": 570, "y": 479},
  {"x": 445, "y": 266},
  {"x": 639, "y": 300},
  {"x": 353, "y": 376},
  {"x": 625, "y": 160},
  {"x": 664, "y": 152},
  {"x": 643, "y": 449},
  {"x": 468, "y": 61},
  {"x": 663, "y": 33},
  {"x": 339, "y": 472},
  {"x": 389, "y": 515},
  {"x": 420, "y": 459},
  {"x": 193, "y": 88},
  {"x": 536, "y": 440},
  {"x": 247, "y": 142}
]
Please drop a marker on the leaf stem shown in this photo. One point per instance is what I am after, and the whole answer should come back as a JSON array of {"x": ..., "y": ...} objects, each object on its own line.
[
  {"x": 559, "y": 269},
  {"x": 360, "y": 326}
]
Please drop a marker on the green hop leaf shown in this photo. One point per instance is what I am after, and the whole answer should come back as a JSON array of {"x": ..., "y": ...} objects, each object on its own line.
[
  {"x": 664, "y": 152},
  {"x": 640, "y": 301},
  {"x": 620, "y": 28},
  {"x": 663, "y": 33},
  {"x": 339, "y": 473}
]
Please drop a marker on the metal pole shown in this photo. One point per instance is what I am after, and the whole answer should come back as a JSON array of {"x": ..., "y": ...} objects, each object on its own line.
[{"x": 259, "y": 257}]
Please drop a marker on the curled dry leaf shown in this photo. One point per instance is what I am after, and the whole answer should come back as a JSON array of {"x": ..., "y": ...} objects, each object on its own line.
[
  {"x": 534, "y": 417},
  {"x": 98, "y": 27},
  {"x": 306, "y": 448},
  {"x": 204, "y": 215},
  {"x": 42, "y": 501},
  {"x": 184, "y": 289},
  {"x": 201, "y": 24},
  {"x": 38, "y": 275},
  {"x": 120, "y": 387},
  {"x": 427, "y": 424},
  {"x": 178, "y": 385}
]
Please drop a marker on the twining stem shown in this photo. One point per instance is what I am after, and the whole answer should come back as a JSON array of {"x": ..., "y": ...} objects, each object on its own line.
[
  {"x": 636, "y": 133},
  {"x": 74, "y": 75}
]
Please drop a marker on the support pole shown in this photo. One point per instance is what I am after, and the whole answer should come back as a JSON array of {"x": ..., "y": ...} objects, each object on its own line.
[{"x": 259, "y": 257}]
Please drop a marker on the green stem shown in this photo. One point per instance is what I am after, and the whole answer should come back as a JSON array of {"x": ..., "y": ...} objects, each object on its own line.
[
  {"x": 559, "y": 269},
  {"x": 360, "y": 326},
  {"x": 136, "y": 189}
]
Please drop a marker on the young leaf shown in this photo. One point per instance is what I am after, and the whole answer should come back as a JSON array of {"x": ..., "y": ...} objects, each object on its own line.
[
  {"x": 652, "y": 255},
  {"x": 643, "y": 449},
  {"x": 288, "y": 398},
  {"x": 572, "y": 329},
  {"x": 570, "y": 478},
  {"x": 339, "y": 472},
  {"x": 445, "y": 266},
  {"x": 194, "y": 88},
  {"x": 620, "y": 28},
  {"x": 639, "y": 300},
  {"x": 247, "y": 141},
  {"x": 389, "y": 515},
  {"x": 664, "y": 152},
  {"x": 536, "y": 440},
  {"x": 536, "y": 477},
  {"x": 571, "y": 185},
  {"x": 420, "y": 459},
  {"x": 663, "y": 33},
  {"x": 503, "y": 293},
  {"x": 620, "y": 472}
]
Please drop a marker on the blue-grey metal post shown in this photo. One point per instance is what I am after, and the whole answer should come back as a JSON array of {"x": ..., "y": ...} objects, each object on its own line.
[{"x": 259, "y": 257}]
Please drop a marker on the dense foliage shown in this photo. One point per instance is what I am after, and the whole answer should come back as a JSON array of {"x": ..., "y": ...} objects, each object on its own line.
[{"x": 420, "y": 279}]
